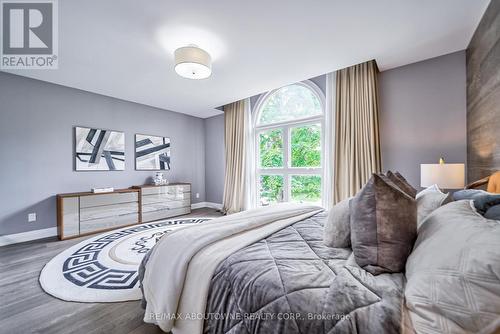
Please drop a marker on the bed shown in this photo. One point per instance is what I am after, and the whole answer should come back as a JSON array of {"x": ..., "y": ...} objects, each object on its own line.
[
  {"x": 268, "y": 271},
  {"x": 282, "y": 281}
]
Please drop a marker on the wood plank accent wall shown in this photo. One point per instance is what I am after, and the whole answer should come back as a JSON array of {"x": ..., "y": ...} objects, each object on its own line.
[{"x": 483, "y": 96}]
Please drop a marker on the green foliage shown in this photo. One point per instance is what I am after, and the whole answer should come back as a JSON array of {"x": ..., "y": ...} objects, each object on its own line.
[
  {"x": 306, "y": 188},
  {"x": 306, "y": 146},
  {"x": 271, "y": 148},
  {"x": 271, "y": 188},
  {"x": 292, "y": 102}
]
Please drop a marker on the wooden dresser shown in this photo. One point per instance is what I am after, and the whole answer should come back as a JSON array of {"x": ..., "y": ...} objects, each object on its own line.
[
  {"x": 85, "y": 213},
  {"x": 160, "y": 202}
]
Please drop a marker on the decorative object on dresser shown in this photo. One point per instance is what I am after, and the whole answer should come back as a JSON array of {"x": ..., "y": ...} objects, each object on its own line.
[
  {"x": 152, "y": 152},
  {"x": 85, "y": 213},
  {"x": 164, "y": 201},
  {"x": 98, "y": 149},
  {"x": 160, "y": 180},
  {"x": 103, "y": 190}
]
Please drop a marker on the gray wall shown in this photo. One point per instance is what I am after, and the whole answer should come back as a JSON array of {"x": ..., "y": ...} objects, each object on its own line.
[
  {"x": 214, "y": 158},
  {"x": 483, "y": 96},
  {"x": 423, "y": 114},
  {"x": 422, "y": 117},
  {"x": 36, "y": 131}
]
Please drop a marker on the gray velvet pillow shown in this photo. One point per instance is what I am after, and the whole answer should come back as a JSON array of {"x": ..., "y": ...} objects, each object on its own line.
[
  {"x": 383, "y": 226},
  {"x": 401, "y": 182},
  {"x": 337, "y": 232}
]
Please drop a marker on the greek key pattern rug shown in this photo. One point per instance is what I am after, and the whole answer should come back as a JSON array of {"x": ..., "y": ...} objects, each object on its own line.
[{"x": 104, "y": 268}]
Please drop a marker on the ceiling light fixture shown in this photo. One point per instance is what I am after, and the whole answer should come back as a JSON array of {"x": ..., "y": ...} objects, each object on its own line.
[{"x": 192, "y": 62}]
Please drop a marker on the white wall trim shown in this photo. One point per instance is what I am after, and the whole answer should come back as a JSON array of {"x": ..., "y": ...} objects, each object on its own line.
[
  {"x": 210, "y": 205},
  {"x": 27, "y": 236}
]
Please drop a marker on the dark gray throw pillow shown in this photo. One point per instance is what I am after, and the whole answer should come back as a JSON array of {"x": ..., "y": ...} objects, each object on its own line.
[
  {"x": 493, "y": 213},
  {"x": 402, "y": 183},
  {"x": 483, "y": 200},
  {"x": 383, "y": 226}
]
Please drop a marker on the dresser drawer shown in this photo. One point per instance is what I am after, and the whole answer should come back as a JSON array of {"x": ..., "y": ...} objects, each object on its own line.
[
  {"x": 86, "y": 212},
  {"x": 184, "y": 188},
  {"x": 166, "y": 190},
  {"x": 104, "y": 211},
  {"x": 163, "y": 214},
  {"x": 108, "y": 222},
  {"x": 107, "y": 199},
  {"x": 70, "y": 216},
  {"x": 165, "y": 206},
  {"x": 156, "y": 198}
]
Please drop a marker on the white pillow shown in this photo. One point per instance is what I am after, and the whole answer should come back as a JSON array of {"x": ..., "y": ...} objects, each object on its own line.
[
  {"x": 453, "y": 272},
  {"x": 429, "y": 200},
  {"x": 431, "y": 189}
]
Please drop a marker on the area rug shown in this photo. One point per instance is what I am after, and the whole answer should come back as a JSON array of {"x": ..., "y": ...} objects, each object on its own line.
[{"x": 104, "y": 268}]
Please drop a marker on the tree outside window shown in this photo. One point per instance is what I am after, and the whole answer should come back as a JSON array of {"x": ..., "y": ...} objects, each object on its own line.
[{"x": 289, "y": 134}]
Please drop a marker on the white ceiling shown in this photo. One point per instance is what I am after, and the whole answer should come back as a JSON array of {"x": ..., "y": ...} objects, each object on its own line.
[{"x": 124, "y": 48}]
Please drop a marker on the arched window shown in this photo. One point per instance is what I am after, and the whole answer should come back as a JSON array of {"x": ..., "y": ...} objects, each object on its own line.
[{"x": 289, "y": 124}]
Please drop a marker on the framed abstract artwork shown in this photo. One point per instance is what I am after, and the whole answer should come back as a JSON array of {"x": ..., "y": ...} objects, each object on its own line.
[
  {"x": 99, "y": 149},
  {"x": 152, "y": 152}
]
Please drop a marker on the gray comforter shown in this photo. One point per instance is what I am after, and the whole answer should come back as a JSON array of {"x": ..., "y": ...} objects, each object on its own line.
[{"x": 290, "y": 282}]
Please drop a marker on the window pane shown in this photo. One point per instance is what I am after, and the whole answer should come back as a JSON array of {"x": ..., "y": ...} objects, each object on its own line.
[
  {"x": 290, "y": 103},
  {"x": 271, "y": 148},
  {"x": 306, "y": 188},
  {"x": 306, "y": 146},
  {"x": 271, "y": 189}
]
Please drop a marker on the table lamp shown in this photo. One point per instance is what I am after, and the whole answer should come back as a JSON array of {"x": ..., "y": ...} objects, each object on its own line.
[{"x": 446, "y": 176}]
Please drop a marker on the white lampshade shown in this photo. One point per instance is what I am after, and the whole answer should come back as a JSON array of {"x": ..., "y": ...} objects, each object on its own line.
[
  {"x": 446, "y": 176},
  {"x": 192, "y": 62}
]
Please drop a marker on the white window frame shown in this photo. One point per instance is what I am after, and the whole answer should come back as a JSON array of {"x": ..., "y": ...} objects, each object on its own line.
[{"x": 287, "y": 171}]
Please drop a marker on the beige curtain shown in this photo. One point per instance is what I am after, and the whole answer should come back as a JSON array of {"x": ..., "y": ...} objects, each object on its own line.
[
  {"x": 357, "y": 142},
  {"x": 235, "y": 148}
]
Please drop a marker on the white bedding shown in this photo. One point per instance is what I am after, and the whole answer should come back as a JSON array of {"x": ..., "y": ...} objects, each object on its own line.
[{"x": 181, "y": 265}]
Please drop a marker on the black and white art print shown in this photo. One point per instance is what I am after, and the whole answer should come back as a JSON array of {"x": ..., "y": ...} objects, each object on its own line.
[
  {"x": 152, "y": 152},
  {"x": 98, "y": 149}
]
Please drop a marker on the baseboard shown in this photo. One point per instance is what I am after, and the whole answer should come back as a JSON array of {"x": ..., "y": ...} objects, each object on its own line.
[
  {"x": 211, "y": 205},
  {"x": 27, "y": 236}
]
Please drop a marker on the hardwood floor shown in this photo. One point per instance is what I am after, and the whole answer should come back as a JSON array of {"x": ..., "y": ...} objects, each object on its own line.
[{"x": 26, "y": 308}]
